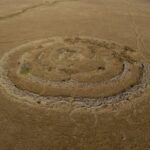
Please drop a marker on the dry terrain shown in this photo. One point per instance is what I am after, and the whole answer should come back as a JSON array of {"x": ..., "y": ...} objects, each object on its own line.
[{"x": 75, "y": 75}]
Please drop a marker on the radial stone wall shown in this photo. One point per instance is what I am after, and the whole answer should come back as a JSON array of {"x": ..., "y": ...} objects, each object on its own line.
[{"x": 86, "y": 71}]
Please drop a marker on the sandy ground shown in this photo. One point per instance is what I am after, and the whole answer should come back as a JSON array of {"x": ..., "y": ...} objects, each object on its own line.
[{"x": 120, "y": 126}]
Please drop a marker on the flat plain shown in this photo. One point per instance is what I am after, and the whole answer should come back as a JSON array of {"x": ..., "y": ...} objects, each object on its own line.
[{"x": 75, "y": 75}]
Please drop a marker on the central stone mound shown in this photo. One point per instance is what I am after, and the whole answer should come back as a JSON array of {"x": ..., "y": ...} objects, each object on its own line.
[{"x": 79, "y": 67}]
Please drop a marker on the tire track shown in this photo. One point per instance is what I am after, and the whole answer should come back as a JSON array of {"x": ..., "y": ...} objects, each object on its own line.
[{"x": 139, "y": 39}]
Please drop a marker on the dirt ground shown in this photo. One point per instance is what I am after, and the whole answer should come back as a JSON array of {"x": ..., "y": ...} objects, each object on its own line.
[{"x": 119, "y": 126}]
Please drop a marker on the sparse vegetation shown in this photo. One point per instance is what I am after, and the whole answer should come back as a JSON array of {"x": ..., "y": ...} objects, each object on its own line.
[{"x": 25, "y": 69}]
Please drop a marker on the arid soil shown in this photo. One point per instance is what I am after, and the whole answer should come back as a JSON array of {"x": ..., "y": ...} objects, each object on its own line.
[{"x": 75, "y": 75}]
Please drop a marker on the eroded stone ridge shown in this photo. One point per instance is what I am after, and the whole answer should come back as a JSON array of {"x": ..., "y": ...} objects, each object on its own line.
[{"x": 90, "y": 71}]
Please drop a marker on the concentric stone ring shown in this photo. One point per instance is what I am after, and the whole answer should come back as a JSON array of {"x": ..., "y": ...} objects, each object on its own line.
[{"x": 89, "y": 70}]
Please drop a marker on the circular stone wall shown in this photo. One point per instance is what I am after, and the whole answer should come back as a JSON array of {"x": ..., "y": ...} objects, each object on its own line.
[{"x": 84, "y": 70}]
